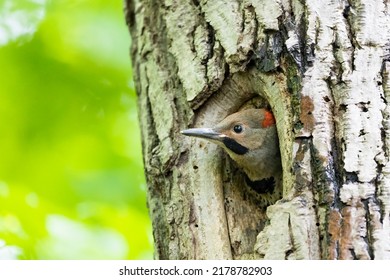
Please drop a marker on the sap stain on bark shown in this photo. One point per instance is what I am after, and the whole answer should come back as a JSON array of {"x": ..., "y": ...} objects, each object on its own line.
[{"x": 306, "y": 116}]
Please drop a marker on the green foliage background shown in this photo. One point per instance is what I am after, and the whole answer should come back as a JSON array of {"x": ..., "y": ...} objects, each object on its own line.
[{"x": 71, "y": 175}]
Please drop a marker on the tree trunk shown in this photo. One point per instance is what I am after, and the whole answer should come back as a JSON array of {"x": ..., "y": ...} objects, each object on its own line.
[{"x": 323, "y": 68}]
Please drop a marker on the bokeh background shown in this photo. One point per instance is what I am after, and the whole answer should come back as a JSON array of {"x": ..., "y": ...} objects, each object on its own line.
[{"x": 71, "y": 177}]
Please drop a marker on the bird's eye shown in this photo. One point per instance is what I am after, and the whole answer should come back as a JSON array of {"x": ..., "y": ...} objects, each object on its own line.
[{"x": 238, "y": 128}]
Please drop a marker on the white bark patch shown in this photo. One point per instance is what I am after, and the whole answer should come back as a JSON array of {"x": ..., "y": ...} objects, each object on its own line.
[
  {"x": 226, "y": 19},
  {"x": 268, "y": 13},
  {"x": 351, "y": 192},
  {"x": 292, "y": 232},
  {"x": 362, "y": 120},
  {"x": 359, "y": 232},
  {"x": 274, "y": 241},
  {"x": 372, "y": 23}
]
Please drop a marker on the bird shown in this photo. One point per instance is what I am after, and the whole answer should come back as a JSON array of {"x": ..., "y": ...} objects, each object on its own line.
[{"x": 250, "y": 138}]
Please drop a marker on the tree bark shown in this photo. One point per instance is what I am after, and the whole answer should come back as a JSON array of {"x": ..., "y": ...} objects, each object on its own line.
[{"x": 323, "y": 68}]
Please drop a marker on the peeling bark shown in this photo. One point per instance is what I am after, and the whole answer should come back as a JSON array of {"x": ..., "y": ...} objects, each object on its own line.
[{"x": 323, "y": 68}]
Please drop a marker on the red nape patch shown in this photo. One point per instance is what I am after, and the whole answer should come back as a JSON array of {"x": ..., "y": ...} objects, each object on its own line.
[{"x": 269, "y": 119}]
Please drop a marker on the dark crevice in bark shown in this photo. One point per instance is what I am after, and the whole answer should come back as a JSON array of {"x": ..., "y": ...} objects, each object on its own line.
[
  {"x": 129, "y": 11},
  {"x": 210, "y": 53},
  {"x": 337, "y": 67},
  {"x": 267, "y": 58},
  {"x": 303, "y": 51},
  {"x": 152, "y": 167},
  {"x": 384, "y": 74},
  {"x": 286, "y": 24},
  {"x": 291, "y": 70},
  {"x": 196, "y": 3},
  {"x": 306, "y": 47},
  {"x": 385, "y": 127},
  {"x": 351, "y": 177},
  {"x": 250, "y": 12},
  {"x": 329, "y": 175},
  {"x": 334, "y": 169},
  {"x": 336, "y": 166},
  {"x": 337, "y": 142},
  {"x": 349, "y": 20},
  {"x": 379, "y": 202},
  {"x": 210, "y": 39},
  {"x": 338, "y": 249},
  {"x": 379, "y": 178},
  {"x": 317, "y": 29},
  {"x": 369, "y": 238},
  {"x": 290, "y": 3},
  {"x": 291, "y": 235},
  {"x": 353, "y": 254},
  {"x": 192, "y": 42},
  {"x": 193, "y": 225},
  {"x": 243, "y": 11}
]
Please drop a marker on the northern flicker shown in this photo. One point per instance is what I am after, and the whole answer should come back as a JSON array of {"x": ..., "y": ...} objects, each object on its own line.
[{"x": 250, "y": 138}]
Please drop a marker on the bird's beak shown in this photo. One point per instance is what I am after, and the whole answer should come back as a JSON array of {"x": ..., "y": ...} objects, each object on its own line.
[{"x": 207, "y": 133}]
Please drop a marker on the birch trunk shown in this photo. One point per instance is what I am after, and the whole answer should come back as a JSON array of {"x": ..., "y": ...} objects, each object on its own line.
[{"x": 323, "y": 68}]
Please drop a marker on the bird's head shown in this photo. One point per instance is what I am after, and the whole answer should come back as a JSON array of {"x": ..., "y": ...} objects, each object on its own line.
[{"x": 250, "y": 138}]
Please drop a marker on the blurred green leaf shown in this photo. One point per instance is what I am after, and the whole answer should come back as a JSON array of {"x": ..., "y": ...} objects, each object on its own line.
[{"x": 71, "y": 167}]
